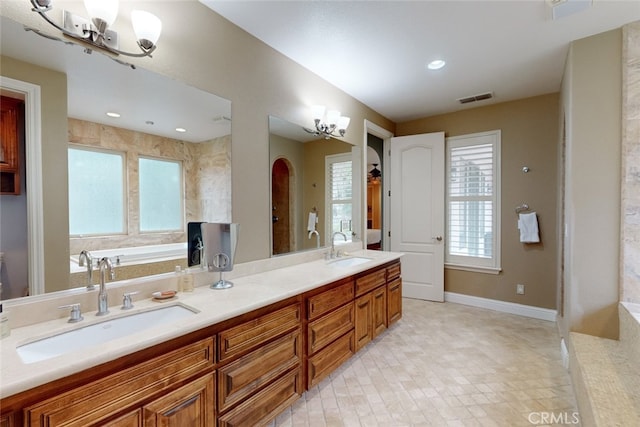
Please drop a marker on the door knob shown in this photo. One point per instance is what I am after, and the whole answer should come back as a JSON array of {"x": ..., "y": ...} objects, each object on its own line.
[{"x": 438, "y": 238}]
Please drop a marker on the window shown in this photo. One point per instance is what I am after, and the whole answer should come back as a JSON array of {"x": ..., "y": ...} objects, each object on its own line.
[
  {"x": 160, "y": 195},
  {"x": 473, "y": 195},
  {"x": 339, "y": 173},
  {"x": 96, "y": 192}
]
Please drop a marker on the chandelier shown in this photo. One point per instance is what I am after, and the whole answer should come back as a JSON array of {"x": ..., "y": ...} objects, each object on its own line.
[
  {"x": 375, "y": 174},
  {"x": 327, "y": 126},
  {"x": 95, "y": 30}
]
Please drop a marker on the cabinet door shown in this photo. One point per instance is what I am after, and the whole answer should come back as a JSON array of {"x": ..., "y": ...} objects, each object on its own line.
[
  {"x": 394, "y": 301},
  {"x": 364, "y": 320},
  {"x": 7, "y": 421},
  {"x": 379, "y": 301},
  {"x": 191, "y": 405}
]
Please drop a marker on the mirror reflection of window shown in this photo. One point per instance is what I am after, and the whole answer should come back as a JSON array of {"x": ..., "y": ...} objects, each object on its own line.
[
  {"x": 160, "y": 195},
  {"x": 339, "y": 173},
  {"x": 96, "y": 192}
]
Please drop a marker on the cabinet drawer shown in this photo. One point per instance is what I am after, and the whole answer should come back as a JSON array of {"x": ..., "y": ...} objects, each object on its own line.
[
  {"x": 191, "y": 405},
  {"x": 254, "y": 333},
  {"x": 328, "y": 359},
  {"x": 326, "y": 329},
  {"x": 266, "y": 404},
  {"x": 393, "y": 271},
  {"x": 371, "y": 281},
  {"x": 242, "y": 377},
  {"x": 103, "y": 398},
  {"x": 322, "y": 303}
]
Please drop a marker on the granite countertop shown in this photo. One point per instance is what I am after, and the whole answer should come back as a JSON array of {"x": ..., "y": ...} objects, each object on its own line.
[{"x": 248, "y": 293}]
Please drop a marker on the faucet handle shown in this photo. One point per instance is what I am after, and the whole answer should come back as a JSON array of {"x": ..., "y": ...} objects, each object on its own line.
[
  {"x": 76, "y": 315},
  {"x": 126, "y": 300}
]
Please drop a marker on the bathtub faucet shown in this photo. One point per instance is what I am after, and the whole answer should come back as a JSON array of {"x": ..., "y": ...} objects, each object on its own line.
[{"x": 85, "y": 258}]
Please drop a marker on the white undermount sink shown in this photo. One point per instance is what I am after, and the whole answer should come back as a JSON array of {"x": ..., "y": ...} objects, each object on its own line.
[
  {"x": 348, "y": 261},
  {"x": 100, "y": 333}
]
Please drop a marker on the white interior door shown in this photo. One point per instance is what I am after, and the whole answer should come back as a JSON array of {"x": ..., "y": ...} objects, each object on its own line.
[{"x": 417, "y": 213}]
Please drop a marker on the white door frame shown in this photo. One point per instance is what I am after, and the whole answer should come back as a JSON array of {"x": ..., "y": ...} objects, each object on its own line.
[
  {"x": 385, "y": 135},
  {"x": 33, "y": 155}
]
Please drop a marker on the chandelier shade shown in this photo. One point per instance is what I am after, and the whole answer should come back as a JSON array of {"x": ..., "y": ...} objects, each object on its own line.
[{"x": 326, "y": 125}]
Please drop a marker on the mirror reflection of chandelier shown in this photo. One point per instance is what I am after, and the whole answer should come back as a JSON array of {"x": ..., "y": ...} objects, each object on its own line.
[
  {"x": 327, "y": 125},
  {"x": 374, "y": 174}
]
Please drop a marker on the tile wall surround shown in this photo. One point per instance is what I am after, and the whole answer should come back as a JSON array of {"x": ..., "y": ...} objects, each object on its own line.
[
  {"x": 207, "y": 167},
  {"x": 630, "y": 242}
]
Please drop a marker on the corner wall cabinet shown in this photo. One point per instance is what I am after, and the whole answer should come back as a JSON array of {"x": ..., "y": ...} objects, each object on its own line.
[
  {"x": 11, "y": 117},
  {"x": 240, "y": 372}
]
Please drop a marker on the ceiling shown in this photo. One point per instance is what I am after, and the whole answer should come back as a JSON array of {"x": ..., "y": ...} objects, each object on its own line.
[{"x": 376, "y": 51}]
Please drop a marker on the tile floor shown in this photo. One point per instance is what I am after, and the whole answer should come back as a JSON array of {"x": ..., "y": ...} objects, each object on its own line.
[{"x": 446, "y": 364}]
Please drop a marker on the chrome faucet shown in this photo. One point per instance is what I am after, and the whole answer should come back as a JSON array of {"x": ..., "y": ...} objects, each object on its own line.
[
  {"x": 311, "y": 233},
  {"x": 103, "y": 303},
  {"x": 85, "y": 258},
  {"x": 333, "y": 239}
]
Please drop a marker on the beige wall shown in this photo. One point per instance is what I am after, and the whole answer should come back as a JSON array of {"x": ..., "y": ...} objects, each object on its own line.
[
  {"x": 529, "y": 138},
  {"x": 204, "y": 50},
  {"x": 591, "y": 108},
  {"x": 53, "y": 97}
]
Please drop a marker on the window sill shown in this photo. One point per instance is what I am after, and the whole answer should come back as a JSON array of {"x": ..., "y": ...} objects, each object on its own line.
[{"x": 473, "y": 268}]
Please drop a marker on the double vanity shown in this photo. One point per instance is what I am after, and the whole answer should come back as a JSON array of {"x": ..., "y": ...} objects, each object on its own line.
[{"x": 230, "y": 357}]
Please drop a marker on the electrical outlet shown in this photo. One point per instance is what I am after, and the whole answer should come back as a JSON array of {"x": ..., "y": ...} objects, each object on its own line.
[{"x": 519, "y": 289}]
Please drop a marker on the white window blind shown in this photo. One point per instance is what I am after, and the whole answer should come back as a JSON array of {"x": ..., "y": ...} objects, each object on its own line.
[
  {"x": 472, "y": 200},
  {"x": 340, "y": 194}
]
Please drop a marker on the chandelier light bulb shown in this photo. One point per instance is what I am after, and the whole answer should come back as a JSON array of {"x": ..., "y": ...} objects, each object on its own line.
[
  {"x": 147, "y": 27},
  {"x": 106, "y": 10}
]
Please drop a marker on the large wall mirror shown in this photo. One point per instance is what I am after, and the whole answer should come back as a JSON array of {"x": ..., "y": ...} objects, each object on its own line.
[
  {"x": 143, "y": 141},
  {"x": 315, "y": 188}
]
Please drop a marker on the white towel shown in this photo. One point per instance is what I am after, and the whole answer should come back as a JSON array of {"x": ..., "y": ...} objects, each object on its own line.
[
  {"x": 528, "y": 225},
  {"x": 311, "y": 224}
]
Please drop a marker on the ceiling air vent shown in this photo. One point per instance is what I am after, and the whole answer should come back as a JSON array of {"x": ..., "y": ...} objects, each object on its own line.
[{"x": 474, "y": 98}]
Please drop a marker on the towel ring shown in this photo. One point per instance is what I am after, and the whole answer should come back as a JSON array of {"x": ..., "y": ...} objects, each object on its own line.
[{"x": 522, "y": 207}]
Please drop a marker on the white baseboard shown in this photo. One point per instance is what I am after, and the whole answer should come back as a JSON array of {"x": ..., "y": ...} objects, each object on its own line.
[{"x": 503, "y": 306}]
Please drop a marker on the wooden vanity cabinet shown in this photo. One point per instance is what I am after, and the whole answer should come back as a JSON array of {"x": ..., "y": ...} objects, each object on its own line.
[{"x": 241, "y": 371}]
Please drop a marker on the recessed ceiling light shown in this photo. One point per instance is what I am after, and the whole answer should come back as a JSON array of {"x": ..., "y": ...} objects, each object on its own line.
[
  {"x": 112, "y": 114},
  {"x": 436, "y": 65},
  {"x": 181, "y": 130}
]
